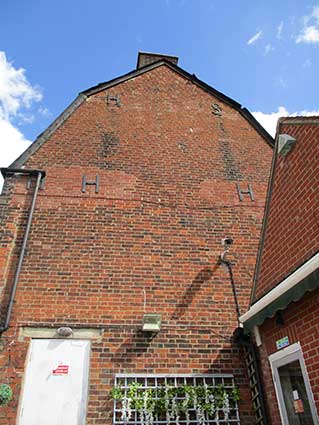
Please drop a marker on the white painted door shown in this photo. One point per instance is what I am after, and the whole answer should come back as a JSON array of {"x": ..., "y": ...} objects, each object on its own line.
[{"x": 55, "y": 383}]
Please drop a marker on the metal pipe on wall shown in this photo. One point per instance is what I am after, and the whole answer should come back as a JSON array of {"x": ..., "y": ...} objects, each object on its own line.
[
  {"x": 231, "y": 276},
  {"x": 253, "y": 367},
  {"x": 40, "y": 174}
]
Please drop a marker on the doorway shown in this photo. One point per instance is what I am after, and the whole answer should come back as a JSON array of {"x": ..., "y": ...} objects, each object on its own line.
[
  {"x": 55, "y": 383},
  {"x": 294, "y": 395}
]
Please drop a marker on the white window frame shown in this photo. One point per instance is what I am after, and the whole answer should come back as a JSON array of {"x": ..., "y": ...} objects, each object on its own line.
[{"x": 281, "y": 358}]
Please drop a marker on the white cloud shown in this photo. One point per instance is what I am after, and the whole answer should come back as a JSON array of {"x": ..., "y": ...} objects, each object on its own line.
[
  {"x": 307, "y": 63},
  {"x": 315, "y": 13},
  {"x": 16, "y": 96},
  {"x": 313, "y": 16},
  {"x": 269, "y": 121},
  {"x": 279, "y": 30},
  {"x": 254, "y": 38},
  {"x": 15, "y": 90},
  {"x": 309, "y": 34},
  {"x": 268, "y": 49},
  {"x": 280, "y": 81},
  {"x": 14, "y": 143},
  {"x": 44, "y": 112},
  {"x": 310, "y": 31}
]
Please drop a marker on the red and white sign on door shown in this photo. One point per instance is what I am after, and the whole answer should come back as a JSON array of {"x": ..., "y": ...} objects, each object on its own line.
[{"x": 62, "y": 369}]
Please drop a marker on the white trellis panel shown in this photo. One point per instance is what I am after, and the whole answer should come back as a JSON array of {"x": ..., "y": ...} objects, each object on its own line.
[{"x": 148, "y": 381}]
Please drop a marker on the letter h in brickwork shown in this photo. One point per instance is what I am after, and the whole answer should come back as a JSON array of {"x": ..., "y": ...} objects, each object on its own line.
[
  {"x": 95, "y": 183},
  {"x": 242, "y": 192},
  {"x": 115, "y": 99}
]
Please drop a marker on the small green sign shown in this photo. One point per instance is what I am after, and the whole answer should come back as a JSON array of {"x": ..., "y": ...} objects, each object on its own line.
[{"x": 282, "y": 342}]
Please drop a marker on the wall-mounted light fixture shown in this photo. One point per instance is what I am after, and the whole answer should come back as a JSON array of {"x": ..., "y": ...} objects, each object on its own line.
[
  {"x": 285, "y": 144},
  {"x": 152, "y": 322},
  {"x": 226, "y": 243},
  {"x": 64, "y": 331}
]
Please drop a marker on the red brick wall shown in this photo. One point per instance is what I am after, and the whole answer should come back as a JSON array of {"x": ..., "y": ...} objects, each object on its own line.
[
  {"x": 292, "y": 234},
  {"x": 300, "y": 325},
  {"x": 168, "y": 170}
]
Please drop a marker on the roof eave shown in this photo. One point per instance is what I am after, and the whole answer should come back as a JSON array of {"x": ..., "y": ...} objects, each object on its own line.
[
  {"x": 45, "y": 135},
  {"x": 192, "y": 77},
  {"x": 135, "y": 73},
  {"x": 292, "y": 288}
]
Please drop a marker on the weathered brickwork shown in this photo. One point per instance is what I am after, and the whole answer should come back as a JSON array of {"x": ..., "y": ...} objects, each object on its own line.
[
  {"x": 168, "y": 169},
  {"x": 292, "y": 235}
]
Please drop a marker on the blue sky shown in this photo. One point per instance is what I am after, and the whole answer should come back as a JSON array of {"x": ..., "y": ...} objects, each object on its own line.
[{"x": 263, "y": 54}]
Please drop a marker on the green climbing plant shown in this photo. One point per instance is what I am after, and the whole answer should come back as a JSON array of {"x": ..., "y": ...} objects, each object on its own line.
[
  {"x": 174, "y": 403},
  {"x": 5, "y": 394}
]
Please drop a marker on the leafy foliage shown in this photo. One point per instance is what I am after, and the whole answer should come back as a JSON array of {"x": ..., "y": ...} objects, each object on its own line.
[
  {"x": 173, "y": 403},
  {"x": 5, "y": 394}
]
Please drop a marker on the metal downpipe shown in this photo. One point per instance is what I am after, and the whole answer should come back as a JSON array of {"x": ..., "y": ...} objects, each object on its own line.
[
  {"x": 22, "y": 252},
  {"x": 249, "y": 350},
  {"x": 231, "y": 276}
]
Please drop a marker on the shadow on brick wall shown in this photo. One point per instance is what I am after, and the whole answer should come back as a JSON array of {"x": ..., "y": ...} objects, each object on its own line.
[{"x": 190, "y": 293}]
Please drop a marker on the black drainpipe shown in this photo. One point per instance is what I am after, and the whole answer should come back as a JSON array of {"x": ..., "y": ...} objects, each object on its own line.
[
  {"x": 40, "y": 175},
  {"x": 245, "y": 341},
  {"x": 231, "y": 276}
]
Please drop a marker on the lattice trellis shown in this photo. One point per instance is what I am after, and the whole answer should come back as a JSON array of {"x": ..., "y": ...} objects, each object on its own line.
[
  {"x": 255, "y": 385},
  {"x": 148, "y": 381}
]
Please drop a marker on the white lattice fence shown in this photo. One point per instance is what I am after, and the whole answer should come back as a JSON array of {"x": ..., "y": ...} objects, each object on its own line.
[{"x": 155, "y": 381}]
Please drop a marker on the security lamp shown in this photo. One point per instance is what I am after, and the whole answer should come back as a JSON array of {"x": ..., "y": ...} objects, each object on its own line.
[
  {"x": 285, "y": 144},
  {"x": 64, "y": 331},
  {"x": 152, "y": 322}
]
